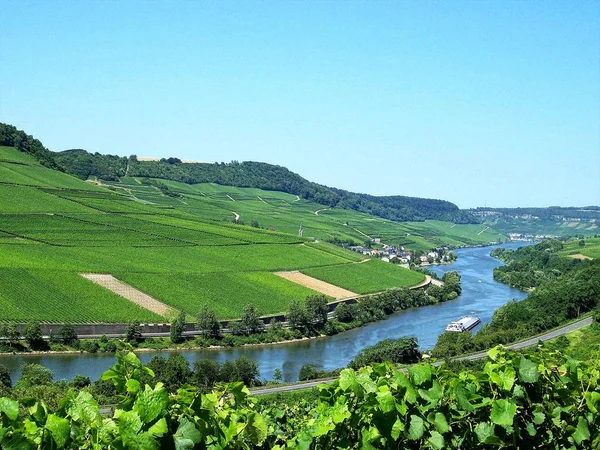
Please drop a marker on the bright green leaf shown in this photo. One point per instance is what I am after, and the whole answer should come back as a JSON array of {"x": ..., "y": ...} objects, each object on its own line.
[
  {"x": 364, "y": 379},
  {"x": 592, "y": 399},
  {"x": 59, "y": 428},
  {"x": 419, "y": 373},
  {"x": 9, "y": 407},
  {"x": 538, "y": 417},
  {"x": 416, "y": 428},
  {"x": 386, "y": 400},
  {"x": 129, "y": 424},
  {"x": 582, "y": 432},
  {"x": 486, "y": 434},
  {"x": 133, "y": 386},
  {"x": 150, "y": 403},
  {"x": 493, "y": 353},
  {"x": 436, "y": 440},
  {"x": 528, "y": 371},
  {"x": 440, "y": 423},
  {"x": 348, "y": 380},
  {"x": 503, "y": 412},
  {"x": 159, "y": 428},
  {"x": 187, "y": 435},
  {"x": 397, "y": 428},
  {"x": 84, "y": 408},
  {"x": 256, "y": 430}
]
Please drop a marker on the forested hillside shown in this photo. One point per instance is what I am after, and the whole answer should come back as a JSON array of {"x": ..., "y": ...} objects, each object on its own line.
[
  {"x": 263, "y": 176},
  {"x": 11, "y": 137}
]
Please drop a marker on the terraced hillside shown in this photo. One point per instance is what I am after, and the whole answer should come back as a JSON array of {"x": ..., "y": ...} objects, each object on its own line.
[
  {"x": 178, "y": 245},
  {"x": 285, "y": 213},
  {"x": 590, "y": 248}
]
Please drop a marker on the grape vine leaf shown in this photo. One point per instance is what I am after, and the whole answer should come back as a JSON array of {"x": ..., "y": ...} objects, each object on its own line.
[{"x": 503, "y": 412}]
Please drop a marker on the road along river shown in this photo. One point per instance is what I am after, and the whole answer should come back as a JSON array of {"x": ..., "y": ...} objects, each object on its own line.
[{"x": 481, "y": 296}]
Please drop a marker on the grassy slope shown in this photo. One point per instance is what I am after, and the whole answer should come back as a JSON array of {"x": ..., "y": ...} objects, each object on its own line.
[
  {"x": 284, "y": 212},
  {"x": 185, "y": 250},
  {"x": 591, "y": 248},
  {"x": 368, "y": 277}
]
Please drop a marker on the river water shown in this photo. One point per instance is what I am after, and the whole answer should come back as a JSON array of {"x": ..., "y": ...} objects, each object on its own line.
[{"x": 481, "y": 296}]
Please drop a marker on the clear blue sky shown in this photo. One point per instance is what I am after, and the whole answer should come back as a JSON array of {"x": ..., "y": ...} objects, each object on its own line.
[{"x": 478, "y": 102}]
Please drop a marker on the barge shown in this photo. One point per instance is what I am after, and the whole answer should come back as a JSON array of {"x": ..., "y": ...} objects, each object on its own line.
[{"x": 466, "y": 323}]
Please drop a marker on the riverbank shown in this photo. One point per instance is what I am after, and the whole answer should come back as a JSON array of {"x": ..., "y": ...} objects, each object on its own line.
[
  {"x": 328, "y": 353},
  {"x": 274, "y": 333}
]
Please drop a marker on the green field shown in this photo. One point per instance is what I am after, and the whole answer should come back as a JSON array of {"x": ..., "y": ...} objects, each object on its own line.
[
  {"x": 366, "y": 278},
  {"x": 182, "y": 248},
  {"x": 226, "y": 292},
  {"x": 62, "y": 296},
  {"x": 591, "y": 248}
]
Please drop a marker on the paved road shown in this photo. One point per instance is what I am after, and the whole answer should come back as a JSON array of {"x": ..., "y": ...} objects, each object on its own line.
[{"x": 517, "y": 345}]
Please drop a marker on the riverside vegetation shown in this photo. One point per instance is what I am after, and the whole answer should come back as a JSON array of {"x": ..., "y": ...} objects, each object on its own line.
[{"x": 564, "y": 290}]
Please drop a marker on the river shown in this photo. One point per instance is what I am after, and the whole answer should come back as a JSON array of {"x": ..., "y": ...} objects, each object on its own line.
[{"x": 481, "y": 296}]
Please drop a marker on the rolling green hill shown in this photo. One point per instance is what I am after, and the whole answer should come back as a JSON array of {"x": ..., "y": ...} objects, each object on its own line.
[{"x": 176, "y": 242}]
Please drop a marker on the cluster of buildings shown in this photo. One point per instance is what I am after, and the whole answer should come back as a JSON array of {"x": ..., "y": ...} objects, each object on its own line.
[
  {"x": 529, "y": 237},
  {"x": 399, "y": 255}
]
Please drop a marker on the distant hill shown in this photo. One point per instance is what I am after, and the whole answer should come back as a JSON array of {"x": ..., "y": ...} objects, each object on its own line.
[
  {"x": 554, "y": 220},
  {"x": 245, "y": 174}
]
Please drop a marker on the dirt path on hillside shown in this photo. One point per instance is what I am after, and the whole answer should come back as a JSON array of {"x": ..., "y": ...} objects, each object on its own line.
[
  {"x": 231, "y": 198},
  {"x": 319, "y": 210},
  {"x": 236, "y": 216},
  {"x": 316, "y": 285},
  {"x": 580, "y": 256},
  {"x": 482, "y": 231},
  {"x": 360, "y": 232},
  {"x": 130, "y": 293}
]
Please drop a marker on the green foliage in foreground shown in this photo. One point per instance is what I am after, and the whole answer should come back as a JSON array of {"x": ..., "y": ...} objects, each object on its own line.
[{"x": 542, "y": 400}]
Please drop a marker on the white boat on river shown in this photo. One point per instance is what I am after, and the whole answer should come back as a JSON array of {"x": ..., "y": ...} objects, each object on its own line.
[{"x": 466, "y": 323}]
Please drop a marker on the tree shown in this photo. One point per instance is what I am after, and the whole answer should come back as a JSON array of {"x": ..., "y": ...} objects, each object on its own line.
[
  {"x": 35, "y": 375},
  {"x": 177, "y": 328},
  {"x": 67, "y": 335},
  {"x": 242, "y": 369},
  {"x": 308, "y": 372},
  {"x": 12, "y": 334},
  {"x": 81, "y": 381},
  {"x": 255, "y": 224},
  {"x": 403, "y": 350},
  {"x": 277, "y": 375},
  {"x": 133, "y": 332},
  {"x": 297, "y": 316},
  {"x": 173, "y": 371},
  {"x": 33, "y": 335},
  {"x": 208, "y": 323},
  {"x": 251, "y": 320},
  {"x": 344, "y": 312},
  {"x": 316, "y": 310},
  {"x": 581, "y": 243},
  {"x": 205, "y": 374}
]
